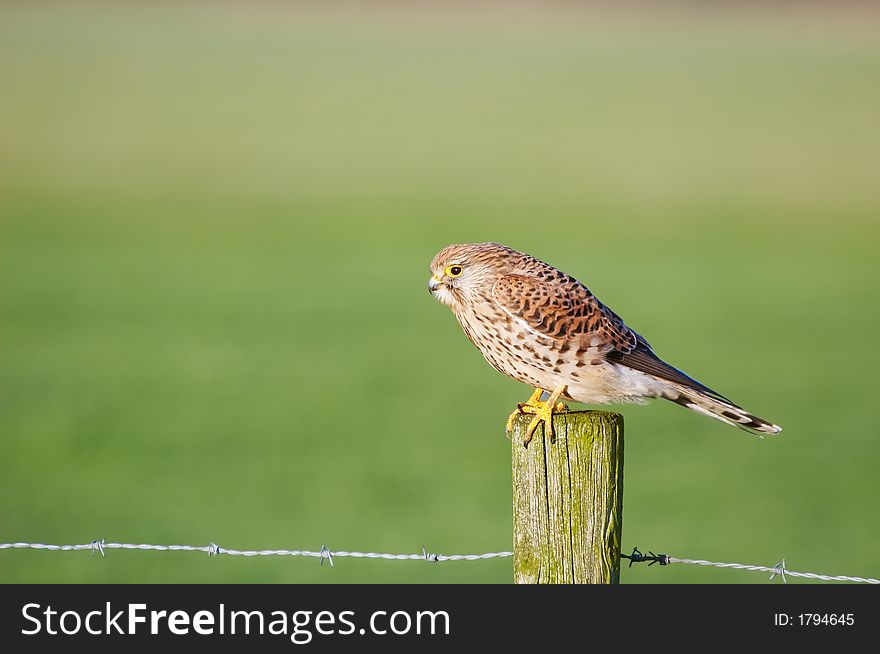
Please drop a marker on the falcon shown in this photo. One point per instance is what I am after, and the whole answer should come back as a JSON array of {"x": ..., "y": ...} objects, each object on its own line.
[{"x": 544, "y": 328}]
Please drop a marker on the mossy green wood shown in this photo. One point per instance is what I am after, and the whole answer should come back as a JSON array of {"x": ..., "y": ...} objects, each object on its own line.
[{"x": 568, "y": 500}]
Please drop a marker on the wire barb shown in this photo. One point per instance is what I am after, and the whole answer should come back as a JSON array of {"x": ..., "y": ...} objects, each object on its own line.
[
  {"x": 326, "y": 554},
  {"x": 779, "y": 569},
  {"x": 638, "y": 557},
  {"x": 98, "y": 546}
]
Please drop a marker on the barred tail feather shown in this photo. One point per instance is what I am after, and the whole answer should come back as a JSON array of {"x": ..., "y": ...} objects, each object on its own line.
[{"x": 727, "y": 412}]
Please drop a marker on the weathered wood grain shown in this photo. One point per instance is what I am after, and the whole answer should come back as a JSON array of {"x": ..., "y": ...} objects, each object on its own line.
[{"x": 568, "y": 500}]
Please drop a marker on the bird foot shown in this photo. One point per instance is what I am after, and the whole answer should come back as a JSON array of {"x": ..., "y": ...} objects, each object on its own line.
[{"x": 542, "y": 411}]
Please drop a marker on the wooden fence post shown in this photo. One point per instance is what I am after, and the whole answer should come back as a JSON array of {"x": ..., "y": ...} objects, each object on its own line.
[{"x": 568, "y": 500}]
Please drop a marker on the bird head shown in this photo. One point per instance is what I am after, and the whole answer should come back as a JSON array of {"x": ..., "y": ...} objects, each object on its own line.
[{"x": 460, "y": 273}]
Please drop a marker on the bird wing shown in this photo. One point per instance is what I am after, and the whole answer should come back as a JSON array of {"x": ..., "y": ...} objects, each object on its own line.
[
  {"x": 565, "y": 309},
  {"x": 562, "y": 309},
  {"x": 643, "y": 359}
]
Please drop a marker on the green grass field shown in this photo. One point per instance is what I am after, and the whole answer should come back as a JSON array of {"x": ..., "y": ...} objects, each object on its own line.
[{"x": 215, "y": 230}]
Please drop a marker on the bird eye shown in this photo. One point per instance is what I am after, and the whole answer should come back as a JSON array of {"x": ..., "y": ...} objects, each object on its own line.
[{"x": 453, "y": 271}]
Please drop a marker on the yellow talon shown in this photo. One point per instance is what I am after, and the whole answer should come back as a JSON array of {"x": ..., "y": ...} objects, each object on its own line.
[{"x": 543, "y": 412}]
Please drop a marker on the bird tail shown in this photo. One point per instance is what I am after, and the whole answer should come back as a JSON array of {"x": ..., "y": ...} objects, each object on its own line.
[{"x": 720, "y": 409}]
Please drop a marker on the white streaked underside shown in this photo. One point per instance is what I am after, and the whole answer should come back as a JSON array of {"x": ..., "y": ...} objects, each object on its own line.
[{"x": 611, "y": 384}]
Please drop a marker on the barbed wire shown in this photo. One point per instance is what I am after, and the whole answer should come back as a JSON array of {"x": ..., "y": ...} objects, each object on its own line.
[
  {"x": 327, "y": 554},
  {"x": 212, "y": 549},
  {"x": 777, "y": 570}
]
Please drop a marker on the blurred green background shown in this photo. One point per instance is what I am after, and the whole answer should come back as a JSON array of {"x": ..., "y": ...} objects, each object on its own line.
[{"x": 215, "y": 228}]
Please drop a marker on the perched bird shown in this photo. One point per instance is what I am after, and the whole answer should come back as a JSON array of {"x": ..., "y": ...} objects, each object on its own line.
[{"x": 544, "y": 328}]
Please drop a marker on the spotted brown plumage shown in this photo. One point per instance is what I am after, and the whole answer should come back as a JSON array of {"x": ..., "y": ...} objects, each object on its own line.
[{"x": 544, "y": 328}]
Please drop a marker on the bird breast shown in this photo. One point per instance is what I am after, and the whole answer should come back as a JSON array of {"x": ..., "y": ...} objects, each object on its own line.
[{"x": 518, "y": 352}]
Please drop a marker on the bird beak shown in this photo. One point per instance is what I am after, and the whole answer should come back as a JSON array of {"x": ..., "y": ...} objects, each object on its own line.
[{"x": 434, "y": 283}]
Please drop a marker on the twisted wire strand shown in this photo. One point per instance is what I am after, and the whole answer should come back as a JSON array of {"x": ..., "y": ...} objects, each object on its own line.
[
  {"x": 326, "y": 554},
  {"x": 778, "y": 569},
  {"x": 213, "y": 549}
]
